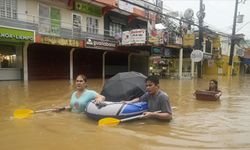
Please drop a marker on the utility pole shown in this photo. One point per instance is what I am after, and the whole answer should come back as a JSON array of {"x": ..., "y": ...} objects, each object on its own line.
[
  {"x": 200, "y": 15},
  {"x": 230, "y": 63}
]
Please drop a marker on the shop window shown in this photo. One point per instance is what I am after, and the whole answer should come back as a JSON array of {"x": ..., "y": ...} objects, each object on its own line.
[
  {"x": 49, "y": 20},
  {"x": 92, "y": 25},
  {"x": 8, "y": 9},
  {"x": 114, "y": 28},
  {"x": 208, "y": 48},
  {"x": 7, "y": 57}
]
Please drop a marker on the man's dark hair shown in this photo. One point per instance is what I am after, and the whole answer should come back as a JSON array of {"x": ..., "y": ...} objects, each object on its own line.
[{"x": 153, "y": 79}]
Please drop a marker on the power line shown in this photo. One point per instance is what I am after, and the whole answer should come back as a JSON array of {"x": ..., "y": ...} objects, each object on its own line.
[
  {"x": 166, "y": 15},
  {"x": 243, "y": 26}
]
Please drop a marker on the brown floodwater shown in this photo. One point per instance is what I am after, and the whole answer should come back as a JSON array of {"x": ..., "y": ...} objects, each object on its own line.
[{"x": 196, "y": 125}]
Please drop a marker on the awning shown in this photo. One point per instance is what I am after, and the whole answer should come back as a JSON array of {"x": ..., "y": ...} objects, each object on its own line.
[{"x": 118, "y": 20}]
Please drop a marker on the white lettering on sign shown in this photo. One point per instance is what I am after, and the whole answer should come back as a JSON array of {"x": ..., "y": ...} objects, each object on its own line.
[
  {"x": 196, "y": 55},
  {"x": 17, "y": 37},
  {"x": 97, "y": 43}
]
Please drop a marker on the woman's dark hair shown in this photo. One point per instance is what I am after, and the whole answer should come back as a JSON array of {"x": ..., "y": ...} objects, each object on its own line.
[
  {"x": 153, "y": 79},
  {"x": 83, "y": 77},
  {"x": 216, "y": 84}
]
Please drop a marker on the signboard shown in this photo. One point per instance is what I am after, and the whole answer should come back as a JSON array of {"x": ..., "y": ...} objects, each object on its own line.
[
  {"x": 100, "y": 44},
  {"x": 196, "y": 55},
  {"x": 59, "y": 41},
  {"x": 156, "y": 50},
  {"x": 188, "y": 40},
  {"x": 125, "y": 38},
  {"x": 16, "y": 35},
  {"x": 216, "y": 43},
  {"x": 88, "y": 8},
  {"x": 136, "y": 36},
  {"x": 207, "y": 56},
  {"x": 210, "y": 63},
  {"x": 158, "y": 37},
  {"x": 126, "y": 6},
  {"x": 55, "y": 21}
]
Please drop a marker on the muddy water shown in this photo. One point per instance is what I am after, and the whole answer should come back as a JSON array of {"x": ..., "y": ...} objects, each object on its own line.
[{"x": 197, "y": 125}]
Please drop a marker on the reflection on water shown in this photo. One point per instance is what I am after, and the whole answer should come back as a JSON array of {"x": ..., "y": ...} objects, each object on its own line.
[{"x": 196, "y": 125}]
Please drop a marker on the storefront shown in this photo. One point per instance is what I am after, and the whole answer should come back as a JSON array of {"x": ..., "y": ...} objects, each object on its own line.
[
  {"x": 52, "y": 57},
  {"x": 163, "y": 62},
  {"x": 12, "y": 43}
]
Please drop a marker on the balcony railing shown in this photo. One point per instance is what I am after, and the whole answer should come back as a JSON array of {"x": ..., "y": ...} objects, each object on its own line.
[{"x": 60, "y": 28}]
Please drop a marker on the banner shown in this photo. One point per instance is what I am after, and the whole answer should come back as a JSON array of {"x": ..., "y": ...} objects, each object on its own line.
[
  {"x": 55, "y": 21},
  {"x": 16, "y": 35},
  {"x": 136, "y": 36},
  {"x": 188, "y": 40},
  {"x": 88, "y": 8}
]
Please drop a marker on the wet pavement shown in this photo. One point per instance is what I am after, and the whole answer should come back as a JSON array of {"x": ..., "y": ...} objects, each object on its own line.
[{"x": 197, "y": 125}]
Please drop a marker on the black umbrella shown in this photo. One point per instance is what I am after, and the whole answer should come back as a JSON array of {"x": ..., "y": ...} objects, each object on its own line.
[{"x": 124, "y": 86}]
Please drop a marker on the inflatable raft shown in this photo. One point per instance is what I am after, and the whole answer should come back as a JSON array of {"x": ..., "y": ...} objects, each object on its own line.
[
  {"x": 115, "y": 109},
  {"x": 206, "y": 95}
]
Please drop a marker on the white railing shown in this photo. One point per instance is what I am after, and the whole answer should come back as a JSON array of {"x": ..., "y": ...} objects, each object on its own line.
[{"x": 34, "y": 22}]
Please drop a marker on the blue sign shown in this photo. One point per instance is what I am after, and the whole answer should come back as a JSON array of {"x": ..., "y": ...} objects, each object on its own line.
[{"x": 246, "y": 61}]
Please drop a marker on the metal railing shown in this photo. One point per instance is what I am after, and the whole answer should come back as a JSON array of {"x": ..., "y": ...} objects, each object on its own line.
[
  {"x": 61, "y": 28},
  {"x": 48, "y": 26}
]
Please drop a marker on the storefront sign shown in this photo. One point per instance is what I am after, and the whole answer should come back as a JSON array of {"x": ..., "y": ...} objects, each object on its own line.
[
  {"x": 210, "y": 63},
  {"x": 59, "y": 41},
  {"x": 207, "y": 56},
  {"x": 188, "y": 40},
  {"x": 156, "y": 50},
  {"x": 125, "y": 38},
  {"x": 16, "y": 35},
  {"x": 196, "y": 55},
  {"x": 178, "y": 40},
  {"x": 158, "y": 37},
  {"x": 136, "y": 36},
  {"x": 98, "y": 44},
  {"x": 216, "y": 43},
  {"x": 126, "y": 6},
  {"x": 246, "y": 61},
  {"x": 88, "y": 8}
]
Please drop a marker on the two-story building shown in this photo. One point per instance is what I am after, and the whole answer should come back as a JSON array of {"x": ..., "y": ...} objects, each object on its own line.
[{"x": 58, "y": 39}]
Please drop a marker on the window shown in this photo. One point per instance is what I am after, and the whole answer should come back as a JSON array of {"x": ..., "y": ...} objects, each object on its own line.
[
  {"x": 49, "y": 20},
  {"x": 114, "y": 28},
  {"x": 8, "y": 57},
  {"x": 208, "y": 48},
  {"x": 8, "y": 9},
  {"x": 92, "y": 25},
  {"x": 77, "y": 19}
]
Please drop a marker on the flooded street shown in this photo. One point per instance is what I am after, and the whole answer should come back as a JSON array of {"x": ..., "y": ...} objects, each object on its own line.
[{"x": 196, "y": 125}]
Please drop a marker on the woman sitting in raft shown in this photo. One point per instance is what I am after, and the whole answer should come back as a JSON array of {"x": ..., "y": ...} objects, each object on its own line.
[
  {"x": 213, "y": 86},
  {"x": 82, "y": 96},
  {"x": 211, "y": 94}
]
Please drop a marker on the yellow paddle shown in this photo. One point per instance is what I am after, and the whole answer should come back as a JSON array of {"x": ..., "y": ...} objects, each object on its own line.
[
  {"x": 27, "y": 113},
  {"x": 113, "y": 121}
]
